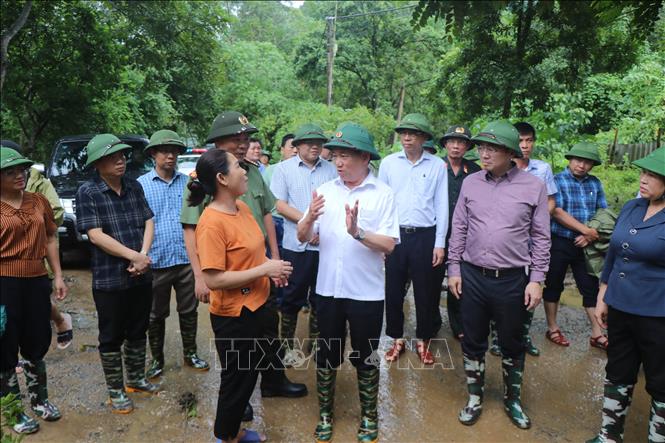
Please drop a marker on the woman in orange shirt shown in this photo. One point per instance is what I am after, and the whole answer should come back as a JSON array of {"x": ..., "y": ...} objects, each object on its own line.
[
  {"x": 27, "y": 236},
  {"x": 231, "y": 250}
]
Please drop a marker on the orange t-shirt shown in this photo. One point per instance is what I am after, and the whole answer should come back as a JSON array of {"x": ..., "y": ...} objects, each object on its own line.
[
  {"x": 232, "y": 242},
  {"x": 25, "y": 232}
]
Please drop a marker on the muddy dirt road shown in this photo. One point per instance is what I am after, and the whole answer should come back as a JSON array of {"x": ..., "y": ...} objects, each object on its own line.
[{"x": 562, "y": 392}]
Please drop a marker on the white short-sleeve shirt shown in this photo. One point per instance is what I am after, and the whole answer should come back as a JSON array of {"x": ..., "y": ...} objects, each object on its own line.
[{"x": 347, "y": 268}]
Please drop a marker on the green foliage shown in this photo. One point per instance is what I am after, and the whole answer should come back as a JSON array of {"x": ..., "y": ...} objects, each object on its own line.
[
  {"x": 620, "y": 183},
  {"x": 11, "y": 406}
]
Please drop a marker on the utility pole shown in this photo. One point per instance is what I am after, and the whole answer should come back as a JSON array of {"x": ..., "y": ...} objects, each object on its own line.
[
  {"x": 400, "y": 109},
  {"x": 332, "y": 50}
]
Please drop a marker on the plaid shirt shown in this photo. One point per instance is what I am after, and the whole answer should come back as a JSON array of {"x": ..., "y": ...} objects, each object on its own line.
[
  {"x": 165, "y": 200},
  {"x": 122, "y": 217},
  {"x": 580, "y": 198}
]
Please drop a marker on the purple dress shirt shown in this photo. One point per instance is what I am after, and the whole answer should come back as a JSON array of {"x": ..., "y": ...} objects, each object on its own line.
[{"x": 494, "y": 220}]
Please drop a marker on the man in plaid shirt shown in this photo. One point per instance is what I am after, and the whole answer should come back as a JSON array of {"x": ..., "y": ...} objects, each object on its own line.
[{"x": 580, "y": 196}]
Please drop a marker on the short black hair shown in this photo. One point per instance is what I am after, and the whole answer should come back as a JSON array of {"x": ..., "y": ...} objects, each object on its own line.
[
  {"x": 525, "y": 128},
  {"x": 286, "y": 138},
  {"x": 256, "y": 140}
]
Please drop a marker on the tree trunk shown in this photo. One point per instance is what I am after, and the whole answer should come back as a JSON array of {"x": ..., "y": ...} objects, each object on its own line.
[{"x": 8, "y": 36}]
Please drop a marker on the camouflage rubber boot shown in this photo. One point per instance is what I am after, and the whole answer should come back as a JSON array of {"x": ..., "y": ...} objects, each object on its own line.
[
  {"x": 513, "y": 372},
  {"x": 156, "y": 333},
  {"x": 657, "y": 422},
  {"x": 313, "y": 332},
  {"x": 112, "y": 365},
  {"x": 288, "y": 323},
  {"x": 325, "y": 388},
  {"x": 528, "y": 344},
  {"x": 368, "y": 390},
  {"x": 35, "y": 377},
  {"x": 616, "y": 400},
  {"x": 188, "y": 328},
  {"x": 9, "y": 386},
  {"x": 495, "y": 349},
  {"x": 475, "y": 383},
  {"x": 134, "y": 358}
]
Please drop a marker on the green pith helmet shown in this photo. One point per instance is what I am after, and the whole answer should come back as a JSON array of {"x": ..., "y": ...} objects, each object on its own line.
[
  {"x": 102, "y": 145},
  {"x": 230, "y": 123},
  {"x": 309, "y": 132},
  {"x": 351, "y": 135},
  {"x": 654, "y": 162},
  {"x": 165, "y": 137},
  {"x": 415, "y": 122},
  {"x": 585, "y": 150},
  {"x": 500, "y": 133},
  {"x": 10, "y": 157},
  {"x": 457, "y": 131},
  {"x": 429, "y": 144}
]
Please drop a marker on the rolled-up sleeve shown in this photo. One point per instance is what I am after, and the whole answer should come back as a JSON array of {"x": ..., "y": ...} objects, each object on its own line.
[{"x": 541, "y": 238}]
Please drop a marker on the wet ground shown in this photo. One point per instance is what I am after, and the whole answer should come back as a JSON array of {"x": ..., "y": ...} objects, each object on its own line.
[{"x": 562, "y": 391}]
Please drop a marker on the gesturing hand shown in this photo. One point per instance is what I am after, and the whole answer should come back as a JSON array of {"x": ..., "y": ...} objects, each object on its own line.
[
  {"x": 316, "y": 207},
  {"x": 352, "y": 219}
]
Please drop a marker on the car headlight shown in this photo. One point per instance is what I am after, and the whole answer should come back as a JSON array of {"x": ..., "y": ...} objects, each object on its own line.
[{"x": 68, "y": 205}]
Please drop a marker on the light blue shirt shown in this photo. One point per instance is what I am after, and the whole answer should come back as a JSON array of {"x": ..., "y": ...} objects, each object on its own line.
[
  {"x": 543, "y": 171},
  {"x": 165, "y": 200},
  {"x": 421, "y": 191},
  {"x": 293, "y": 182}
]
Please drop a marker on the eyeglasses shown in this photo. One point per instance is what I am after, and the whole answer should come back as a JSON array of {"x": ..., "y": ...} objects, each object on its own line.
[
  {"x": 491, "y": 149},
  {"x": 15, "y": 171},
  {"x": 168, "y": 150}
]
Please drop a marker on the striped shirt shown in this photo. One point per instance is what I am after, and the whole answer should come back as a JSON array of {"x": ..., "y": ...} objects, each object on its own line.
[
  {"x": 122, "y": 217},
  {"x": 580, "y": 198},
  {"x": 165, "y": 201},
  {"x": 24, "y": 235},
  {"x": 293, "y": 182}
]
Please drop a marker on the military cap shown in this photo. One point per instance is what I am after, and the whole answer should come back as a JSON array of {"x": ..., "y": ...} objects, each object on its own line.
[
  {"x": 102, "y": 145},
  {"x": 350, "y": 135},
  {"x": 500, "y": 133},
  {"x": 165, "y": 137},
  {"x": 415, "y": 122},
  {"x": 230, "y": 123},
  {"x": 585, "y": 150}
]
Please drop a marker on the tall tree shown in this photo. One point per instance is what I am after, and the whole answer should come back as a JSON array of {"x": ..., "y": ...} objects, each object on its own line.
[{"x": 8, "y": 35}]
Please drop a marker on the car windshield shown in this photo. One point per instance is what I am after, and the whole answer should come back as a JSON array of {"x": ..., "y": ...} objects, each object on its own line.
[{"x": 70, "y": 157}]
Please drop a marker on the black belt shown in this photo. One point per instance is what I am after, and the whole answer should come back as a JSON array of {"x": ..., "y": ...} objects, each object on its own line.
[
  {"x": 413, "y": 230},
  {"x": 498, "y": 273}
]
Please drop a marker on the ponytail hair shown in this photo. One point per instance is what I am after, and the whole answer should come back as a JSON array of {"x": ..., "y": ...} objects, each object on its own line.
[{"x": 211, "y": 163}]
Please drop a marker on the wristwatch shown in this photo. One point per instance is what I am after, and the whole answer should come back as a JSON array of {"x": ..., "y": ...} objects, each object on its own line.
[{"x": 360, "y": 236}]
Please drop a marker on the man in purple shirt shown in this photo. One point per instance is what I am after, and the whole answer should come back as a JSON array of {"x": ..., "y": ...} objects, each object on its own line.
[{"x": 491, "y": 267}]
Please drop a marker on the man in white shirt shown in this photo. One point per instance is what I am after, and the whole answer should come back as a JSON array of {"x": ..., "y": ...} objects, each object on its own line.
[
  {"x": 356, "y": 220},
  {"x": 420, "y": 183}
]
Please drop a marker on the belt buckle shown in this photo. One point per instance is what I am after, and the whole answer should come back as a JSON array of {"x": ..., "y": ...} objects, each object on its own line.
[
  {"x": 496, "y": 273},
  {"x": 409, "y": 229}
]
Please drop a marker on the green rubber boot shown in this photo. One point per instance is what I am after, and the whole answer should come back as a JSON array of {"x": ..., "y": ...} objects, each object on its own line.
[
  {"x": 325, "y": 388},
  {"x": 475, "y": 384},
  {"x": 188, "y": 328},
  {"x": 156, "y": 334},
  {"x": 528, "y": 344},
  {"x": 287, "y": 328},
  {"x": 35, "y": 377},
  {"x": 368, "y": 390},
  {"x": 616, "y": 400},
  {"x": 134, "y": 357},
  {"x": 112, "y": 365},
  {"x": 657, "y": 422},
  {"x": 495, "y": 349},
  {"x": 513, "y": 372}
]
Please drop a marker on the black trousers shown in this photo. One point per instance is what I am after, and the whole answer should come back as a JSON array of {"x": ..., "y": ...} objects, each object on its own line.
[
  {"x": 27, "y": 305},
  {"x": 302, "y": 282},
  {"x": 272, "y": 373},
  {"x": 122, "y": 315},
  {"x": 413, "y": 258},
  {"x": 636, "y": 340},
  {"x": 365, "y": 320},
  {"x": 564, "y": 253},
  {"x": 485, "y": 298},
  {"x": 241, "y": 352},
  {"x": 454, "y": 313}
]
